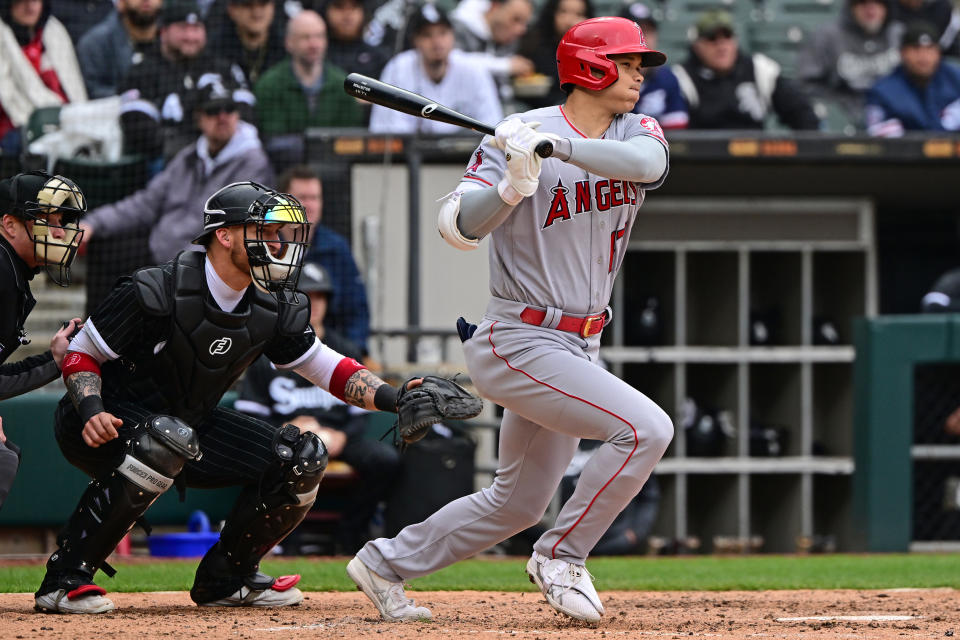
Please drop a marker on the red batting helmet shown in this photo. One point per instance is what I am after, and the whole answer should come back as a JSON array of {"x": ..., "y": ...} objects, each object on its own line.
[{"x": 588, "y": 44}]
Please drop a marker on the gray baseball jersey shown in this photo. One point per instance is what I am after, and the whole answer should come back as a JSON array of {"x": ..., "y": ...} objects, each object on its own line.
[
  {"x": 559, "y": 251},
  {"x": 562, "y": 246}
]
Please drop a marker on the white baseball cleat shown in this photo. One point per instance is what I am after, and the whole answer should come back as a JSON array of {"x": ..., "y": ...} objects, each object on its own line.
[
  {"x": 568, "y": 587},
  {"x": 281, "y": 594},
  {"x": 88, "y": 598},
  {"x": 389, "y": 598}
]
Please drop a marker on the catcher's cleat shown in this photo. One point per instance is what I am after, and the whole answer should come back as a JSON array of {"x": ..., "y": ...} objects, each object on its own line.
[
  {"x": 568, "y": 587},
  {"x": 87, "y": 598},
  {"x": 389, "y": 597},
  {"x": 282, "y": 593}
]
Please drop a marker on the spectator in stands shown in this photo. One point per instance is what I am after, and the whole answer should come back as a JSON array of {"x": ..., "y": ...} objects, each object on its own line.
[
  {"x": 660, "y": 94},
  {"x": 282, "y": 397},
  {"x": 346, "y": 47},
  {"x": 540, "y": 47},
  {"x": 842, "y": 60},
  {"x": 79, "y": 16},
  {"x": 38, "y": 67},
  {"x": 944, "y": 15},
  {"x": 433, "y": 68},
  {"x": 348, "y": 314},
  {"x": 305, "y": 90},
  {"x": 227, "y": 151},
  {"x": 156, "y": 116},
  {"x": 726, "y": 88},
  {"x": 492, "y": 29},
  {"x": 107, "y": 51},
  {"x": 922, "y": 94},
  {"x": 251, "y": 38}
]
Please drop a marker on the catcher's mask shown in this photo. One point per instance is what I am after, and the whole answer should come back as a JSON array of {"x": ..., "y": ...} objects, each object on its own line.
[
  {"x": 36, "y": 197},
  {"x": 275, "y": 233}
]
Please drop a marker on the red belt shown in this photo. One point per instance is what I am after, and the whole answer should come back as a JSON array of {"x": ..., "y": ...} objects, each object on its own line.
[{"x": 584, "y": 327}]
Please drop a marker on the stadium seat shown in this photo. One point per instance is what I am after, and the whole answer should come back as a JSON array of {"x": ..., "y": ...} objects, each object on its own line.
[{"x": 779, "y": 39}]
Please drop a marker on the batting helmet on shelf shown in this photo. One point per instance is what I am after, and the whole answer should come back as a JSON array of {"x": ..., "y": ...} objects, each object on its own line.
[{"x": 588, "y": 45}]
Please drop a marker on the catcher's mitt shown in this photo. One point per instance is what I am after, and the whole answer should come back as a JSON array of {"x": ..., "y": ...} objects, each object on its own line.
[{"x": 435, "y": 400}]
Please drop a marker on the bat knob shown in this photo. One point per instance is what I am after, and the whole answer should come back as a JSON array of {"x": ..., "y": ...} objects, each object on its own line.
[{"x": 545, "y": 149}]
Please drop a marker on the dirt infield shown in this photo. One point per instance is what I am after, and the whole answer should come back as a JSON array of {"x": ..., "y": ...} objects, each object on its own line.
[{"x": 926, "y": 613}]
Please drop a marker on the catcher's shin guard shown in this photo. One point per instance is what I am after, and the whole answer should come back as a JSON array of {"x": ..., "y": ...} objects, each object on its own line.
[
  {"x": 262, "y": 517},
  {"x": 155, "y": 455}
]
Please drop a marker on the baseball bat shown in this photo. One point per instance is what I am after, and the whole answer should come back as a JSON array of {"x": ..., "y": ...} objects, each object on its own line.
[{"x": 391, "y": 97}]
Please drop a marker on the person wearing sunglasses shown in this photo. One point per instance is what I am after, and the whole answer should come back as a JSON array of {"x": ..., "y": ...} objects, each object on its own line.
[
  {"x": 726, "y": 88},
  {"x": 157, "y": 92},
  {"x": 227, "y": 151},
  {"x": 39, "y": 213}
]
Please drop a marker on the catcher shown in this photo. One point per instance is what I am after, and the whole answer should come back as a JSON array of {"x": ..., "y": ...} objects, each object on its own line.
[{"x": 144, "y": 378}]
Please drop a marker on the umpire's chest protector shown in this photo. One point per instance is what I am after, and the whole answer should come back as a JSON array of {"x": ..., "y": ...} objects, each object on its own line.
[{"x": 207, "y": 348}]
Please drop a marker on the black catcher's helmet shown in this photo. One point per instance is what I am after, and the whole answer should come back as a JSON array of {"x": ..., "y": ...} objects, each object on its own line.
[
  {"x": 35, "y": 196},
  {"x": 278, "y": 220}
]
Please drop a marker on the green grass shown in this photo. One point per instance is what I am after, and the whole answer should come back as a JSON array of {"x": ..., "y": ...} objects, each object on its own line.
[{"x": 881, "y": 571}]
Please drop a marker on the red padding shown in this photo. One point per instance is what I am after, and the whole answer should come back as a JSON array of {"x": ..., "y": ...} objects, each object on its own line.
[
  {"x": 285, "y": 582},
  {"x": 338, "y": 381},
  {"x": 88, "y": 589},
  {"x": 75, "y": 362}
]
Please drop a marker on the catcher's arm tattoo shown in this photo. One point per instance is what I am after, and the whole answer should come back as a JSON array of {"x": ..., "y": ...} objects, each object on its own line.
[
  {"x": 82, "y": 384},
  {"x": 361, "y": 388}
]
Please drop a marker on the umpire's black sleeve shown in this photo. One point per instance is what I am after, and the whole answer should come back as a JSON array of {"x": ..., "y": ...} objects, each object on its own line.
[{"x": 30, "y": 373}]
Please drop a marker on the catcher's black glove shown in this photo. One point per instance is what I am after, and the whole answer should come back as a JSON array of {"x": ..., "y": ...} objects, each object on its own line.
[{"x": 435, "y": 400}]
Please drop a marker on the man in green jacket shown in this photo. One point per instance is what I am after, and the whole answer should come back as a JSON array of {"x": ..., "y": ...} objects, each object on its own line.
[{"x": 303, "y": 90}]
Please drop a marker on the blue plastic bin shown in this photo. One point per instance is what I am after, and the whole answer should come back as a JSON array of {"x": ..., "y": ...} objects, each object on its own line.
[{"x": 195, "y": 542}]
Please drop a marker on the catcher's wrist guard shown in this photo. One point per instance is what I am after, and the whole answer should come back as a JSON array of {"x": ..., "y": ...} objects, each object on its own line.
[{"x": 385, "y": 398}]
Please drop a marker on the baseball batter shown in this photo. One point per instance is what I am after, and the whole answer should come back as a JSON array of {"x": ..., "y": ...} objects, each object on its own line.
[{"x": 558, "y": 231}]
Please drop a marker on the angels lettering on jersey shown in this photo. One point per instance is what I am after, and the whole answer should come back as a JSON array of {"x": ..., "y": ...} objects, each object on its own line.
[{"x": 604, "y": 195}]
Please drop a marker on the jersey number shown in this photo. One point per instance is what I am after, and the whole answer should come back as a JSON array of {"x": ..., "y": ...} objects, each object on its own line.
[{"x": 614, "y": 236}]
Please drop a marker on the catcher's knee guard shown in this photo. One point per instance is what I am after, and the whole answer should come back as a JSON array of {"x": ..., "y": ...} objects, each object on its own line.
[
  {"x": 154, "y": 456},
  {"x": 263, "y": 516}
]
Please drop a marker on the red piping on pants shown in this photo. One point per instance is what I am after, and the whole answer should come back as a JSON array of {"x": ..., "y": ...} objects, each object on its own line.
[{"x": 636, "y": 439}]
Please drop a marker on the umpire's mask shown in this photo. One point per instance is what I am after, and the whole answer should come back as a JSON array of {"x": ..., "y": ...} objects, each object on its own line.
[{"x": 36, "y": 197}]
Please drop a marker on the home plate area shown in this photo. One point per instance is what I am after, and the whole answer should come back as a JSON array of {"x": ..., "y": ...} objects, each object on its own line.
[{"x": 927, "y": 613}]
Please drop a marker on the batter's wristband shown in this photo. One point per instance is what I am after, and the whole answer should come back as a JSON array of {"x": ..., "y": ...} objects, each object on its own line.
[
  {"x": 385, "y": 398},
  {"x": 89, "y": 407}
]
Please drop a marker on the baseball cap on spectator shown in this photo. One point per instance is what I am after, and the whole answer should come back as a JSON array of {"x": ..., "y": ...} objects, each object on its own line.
[
  {"x": 715, "y": 22},
  {"x": 180, "y": 11},
  {"x": 919, "y": 34},
  {"x": 640, "y": 13},
  {"x": 314, "y": 278},
  {"x": 428, "y": 15},
  {"x": 214, "y": 96}
]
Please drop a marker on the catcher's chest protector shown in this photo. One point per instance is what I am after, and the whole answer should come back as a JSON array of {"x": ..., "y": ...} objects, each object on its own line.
[{"x": 206, "y": 350}]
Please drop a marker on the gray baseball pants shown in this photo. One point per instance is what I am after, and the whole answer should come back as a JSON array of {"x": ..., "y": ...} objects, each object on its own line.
[{"x": 553, "y": 394}]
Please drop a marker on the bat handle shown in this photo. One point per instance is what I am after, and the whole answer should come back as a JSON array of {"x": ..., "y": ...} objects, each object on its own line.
[{"x": 545, "y": 149}]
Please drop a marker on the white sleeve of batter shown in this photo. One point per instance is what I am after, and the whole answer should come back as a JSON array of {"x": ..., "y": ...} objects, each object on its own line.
[{"x": 640, "y": 159}]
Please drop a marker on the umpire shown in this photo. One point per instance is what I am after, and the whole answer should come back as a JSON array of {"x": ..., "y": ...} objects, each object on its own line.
[
  {"x": 145, "y": 376},
  {"x": 39, "y": 215}
]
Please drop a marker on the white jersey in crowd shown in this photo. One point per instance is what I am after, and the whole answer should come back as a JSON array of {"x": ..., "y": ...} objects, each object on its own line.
[
  {"x": 563, "y": 246},
  {"x": 464, "y": 88}
]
